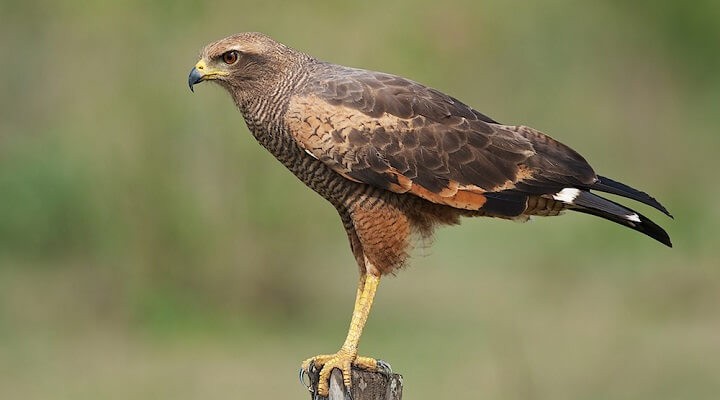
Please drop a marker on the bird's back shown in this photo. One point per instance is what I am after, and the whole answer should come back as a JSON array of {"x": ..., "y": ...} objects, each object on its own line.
[{"x": 398, "y": 135}]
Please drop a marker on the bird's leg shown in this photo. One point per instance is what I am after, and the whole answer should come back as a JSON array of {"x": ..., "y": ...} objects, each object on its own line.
[
  {"x": 360, "y": 288},
  {"x": 347, "y": 355}
]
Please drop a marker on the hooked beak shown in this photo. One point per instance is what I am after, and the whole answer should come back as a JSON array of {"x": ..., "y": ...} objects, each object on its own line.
[
  {"x": 195, "y": 77},
  {"x": 202, "y": 72}
]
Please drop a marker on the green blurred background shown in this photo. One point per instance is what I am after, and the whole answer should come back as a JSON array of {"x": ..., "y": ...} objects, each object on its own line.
[{"x": 149, "y": 248}]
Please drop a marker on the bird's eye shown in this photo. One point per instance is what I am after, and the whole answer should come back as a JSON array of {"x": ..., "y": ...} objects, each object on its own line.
[{"x": 231, "y": 57}]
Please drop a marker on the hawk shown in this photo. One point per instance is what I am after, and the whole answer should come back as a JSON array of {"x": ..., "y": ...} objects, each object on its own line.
[{"x": 396, "y": 157}]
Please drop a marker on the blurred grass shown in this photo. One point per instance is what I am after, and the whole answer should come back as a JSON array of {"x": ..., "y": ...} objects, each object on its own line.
[{"x": 150, "y": 249}]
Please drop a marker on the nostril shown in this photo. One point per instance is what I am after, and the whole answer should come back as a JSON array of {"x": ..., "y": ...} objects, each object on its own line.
[{"x": 201, "y": 67}]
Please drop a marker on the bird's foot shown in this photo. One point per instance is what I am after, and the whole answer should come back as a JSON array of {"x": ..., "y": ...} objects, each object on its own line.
[{"x": 342, "y": 360}]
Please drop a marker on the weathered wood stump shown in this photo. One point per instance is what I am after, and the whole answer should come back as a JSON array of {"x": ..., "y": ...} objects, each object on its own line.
[{"x": 365, "y": 386}]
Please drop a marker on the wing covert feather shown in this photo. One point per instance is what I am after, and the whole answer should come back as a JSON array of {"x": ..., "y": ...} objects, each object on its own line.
[{"x": 398, "y": 135}]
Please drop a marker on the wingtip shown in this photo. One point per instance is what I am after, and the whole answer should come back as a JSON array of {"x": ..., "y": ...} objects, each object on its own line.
[
  {"x": 590, "y": 203},
  {"x": 607, "y": 185},
  {"x": 650, "y": 228},
  {"x": 665, "y": 240}
]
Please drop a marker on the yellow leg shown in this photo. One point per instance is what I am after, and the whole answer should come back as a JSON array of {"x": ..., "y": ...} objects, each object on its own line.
[
  {"x": 347, "y": 355},
  {"x": 360, "y": 288}
]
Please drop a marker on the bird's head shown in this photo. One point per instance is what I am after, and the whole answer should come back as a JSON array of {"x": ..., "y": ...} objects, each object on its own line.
[{"x": 245, "y": 64}]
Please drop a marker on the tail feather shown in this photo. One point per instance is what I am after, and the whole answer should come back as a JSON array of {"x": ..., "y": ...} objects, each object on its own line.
[
  {"x": 589, "y": 203},
  {"x": 608, "y": 185}
]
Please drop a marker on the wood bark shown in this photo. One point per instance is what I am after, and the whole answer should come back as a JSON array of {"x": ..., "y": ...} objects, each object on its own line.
[{"x": 365, "y": 386}]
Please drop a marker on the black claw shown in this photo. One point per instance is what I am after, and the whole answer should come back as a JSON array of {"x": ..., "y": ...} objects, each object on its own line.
[
  {"x": 384, "y": 367},
  {"x": 303, "y": 373}
]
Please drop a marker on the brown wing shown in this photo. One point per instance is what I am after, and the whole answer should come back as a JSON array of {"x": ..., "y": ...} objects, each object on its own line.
[{"x": 398, "y": 135}]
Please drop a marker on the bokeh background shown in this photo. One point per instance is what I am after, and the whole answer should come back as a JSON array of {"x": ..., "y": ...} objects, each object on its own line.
[{"x": 149, "y": 248}]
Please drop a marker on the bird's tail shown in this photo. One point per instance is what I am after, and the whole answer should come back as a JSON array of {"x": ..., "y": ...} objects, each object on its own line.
[{"x": 582, "y": 200}]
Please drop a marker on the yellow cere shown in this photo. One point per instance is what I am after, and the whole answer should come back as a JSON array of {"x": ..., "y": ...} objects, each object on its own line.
[{"x": 208, "y": 72}]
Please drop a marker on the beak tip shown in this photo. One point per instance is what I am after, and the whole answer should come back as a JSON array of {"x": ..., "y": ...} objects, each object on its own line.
[{"x": 194, "y": 77}]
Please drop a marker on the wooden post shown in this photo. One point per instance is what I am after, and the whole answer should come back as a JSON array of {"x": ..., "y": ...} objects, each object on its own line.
[{"x": 365, "y": 386}]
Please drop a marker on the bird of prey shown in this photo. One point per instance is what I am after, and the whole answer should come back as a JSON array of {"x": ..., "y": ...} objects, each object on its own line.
[{"x": 396, "y": 157}]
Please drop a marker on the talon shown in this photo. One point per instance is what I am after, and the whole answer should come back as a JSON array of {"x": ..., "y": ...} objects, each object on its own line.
[
  {"x": 384, "y": 367},
  {"x": 304, "y": 373},
  {"x": 307, "y": 364},
  {"x": 344, "y": 361}
]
